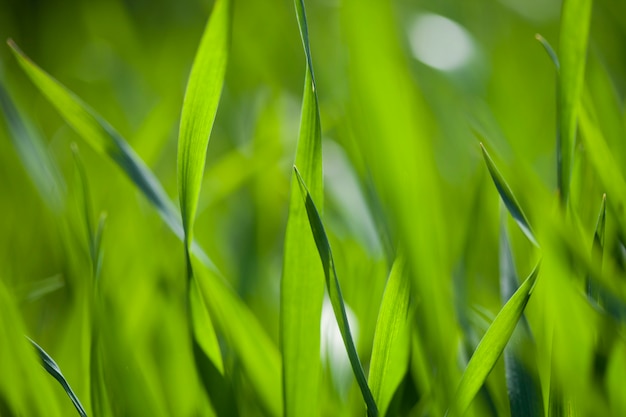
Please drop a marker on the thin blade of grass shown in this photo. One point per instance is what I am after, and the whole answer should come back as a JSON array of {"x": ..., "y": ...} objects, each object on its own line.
[
  {"x": 202, "y": 97},
  {"x": 392, "y": 343},
  {"x": 334, "y": 293},
  {"x": 203, "y": 330},
  {"x": 508, "y": 197},
  {"x": 574, "y": 33},
  {"x": 525, "y": 398},
  {"x": 491, "y": 346},
  {"x": 302, "y": 283},
  {"x": 53, "y": 369}
]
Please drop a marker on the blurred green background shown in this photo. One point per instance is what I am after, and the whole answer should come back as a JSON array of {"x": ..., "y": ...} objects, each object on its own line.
[{"x": 472, "y": 65}]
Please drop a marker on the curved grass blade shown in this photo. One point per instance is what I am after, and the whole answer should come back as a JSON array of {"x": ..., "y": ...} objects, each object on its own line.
[
  {"x": 574, "y": 33},
  {"x": 392, "y": 343},
  {"x": 334, "y": 292},
  {"x": 509, "y": 198},
  {"x": 491, "y": 346},
  {"x": 549, "y": 50},
  {"x": 53, "y": 369},
  {"x": 203, "y": 330},
  {"x": 202, "y": 97},
  {"x": 302, "y": 283},
  {"x": 524, "y": 392}
]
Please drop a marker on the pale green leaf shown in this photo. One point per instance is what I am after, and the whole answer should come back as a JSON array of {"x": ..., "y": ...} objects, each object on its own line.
[
  {"x": 392, "y": 343},
  {"x": 199, "y": 108},
  {"x": 203, "y": 326},
  {"x": 334, "y": 293},
  {"x": 491, "y": 346},
  {"x": 302, "y": 284}
]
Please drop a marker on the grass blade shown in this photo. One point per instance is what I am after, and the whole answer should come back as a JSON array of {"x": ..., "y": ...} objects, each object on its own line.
[
  {"x": 199, "y": 108},
  {"x": 334, "y": 292},
  {"x": 100, "y": 135},
  {"x": 392, "y": 343},
  {"x": 302, "y": 285},
  {"x": 53, "y": 369},
  {"x": 574, "y": 33},
  {"x": 508, "y": 197},
  {"x": 491, "y": 346},
  {"x": 524, "y": 393}
]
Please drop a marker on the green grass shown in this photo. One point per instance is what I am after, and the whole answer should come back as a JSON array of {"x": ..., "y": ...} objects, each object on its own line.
[{"x": 353, "y": 247}]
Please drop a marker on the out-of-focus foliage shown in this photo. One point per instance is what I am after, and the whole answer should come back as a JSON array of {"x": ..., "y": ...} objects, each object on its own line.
[{"x": 403, "y": 90}]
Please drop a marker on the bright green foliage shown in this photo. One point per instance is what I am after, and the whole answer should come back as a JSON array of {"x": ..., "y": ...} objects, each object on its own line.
[
  {"x": 491, "y": 346},
  {"x": 302, "y": 283},
  {"x": 423, "y": 311},
  {"x": 390, "y": 353}
]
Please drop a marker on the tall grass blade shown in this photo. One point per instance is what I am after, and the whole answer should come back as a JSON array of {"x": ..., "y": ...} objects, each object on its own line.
[
  {"x": 334, "y": 292},
  {"x": 392, "y": 343},
  {"x": 199, "y": 108},
  {"x": 302, "y": 284},
  {"x": 574, "y": 33},
  {"x": 491, "y": 346},
  {"x": 524, "y": 392},
  {"x": 203, "y": 330},
  {"x": 508, "y": 197},
  {"x": 53, "y": 369}
]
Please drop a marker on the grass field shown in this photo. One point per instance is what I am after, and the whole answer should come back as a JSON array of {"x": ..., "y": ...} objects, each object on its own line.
[{"x": 346, "y": 207}]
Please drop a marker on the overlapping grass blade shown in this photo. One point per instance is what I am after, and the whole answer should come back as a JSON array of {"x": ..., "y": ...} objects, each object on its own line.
[
  {"x": 392, "y": 343},
  {"x": 508, "y": 197},
  {"x": 264, "y": 375},
  {"x": 524, "y": 392},
  {"x": 574, "y": 33},
  {"x": 491, "y": 346},
  {"x": 202, "y": 96},
  {"x": 53, "y": 369},
  {"x": 302, "y": 285},
  {"x": 334, "y": 293}
]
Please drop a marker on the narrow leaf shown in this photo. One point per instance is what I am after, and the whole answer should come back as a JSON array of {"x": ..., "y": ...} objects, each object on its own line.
[
  {"x": 199, "y": 108},
  {"x": 574, "y": 33},
  {"x": 53, "y": 369},
  {"x": 392, "y": 343},
  {"x": 302, "y": 283},
  {"x": 334, "y": 292},
  {"x": 203, "y": 330},
  {"x": 509, "y": 198},
  {"x": 491, "y": 346}
]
